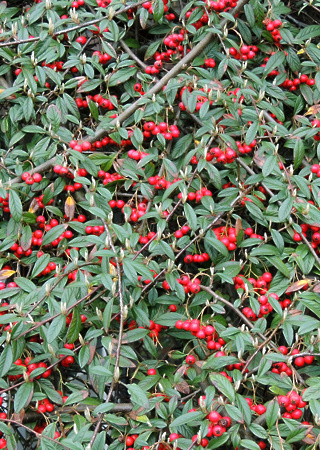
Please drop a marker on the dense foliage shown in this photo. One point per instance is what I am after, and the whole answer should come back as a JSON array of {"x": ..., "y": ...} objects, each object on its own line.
[{"x": 160, "y": 224}]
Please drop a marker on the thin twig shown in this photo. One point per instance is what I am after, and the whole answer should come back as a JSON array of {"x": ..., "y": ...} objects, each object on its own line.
[
  {"x": 39, "y": 435},
  {"x": 74, "y": 28}
]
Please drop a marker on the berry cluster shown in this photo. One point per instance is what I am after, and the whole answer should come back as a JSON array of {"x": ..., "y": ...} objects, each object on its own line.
[
  {"x": 31, "y": 366},
  {"x": 210, "y": 62},
  {"x": 243, "y": 149},
  {"x": 168, "y": 132},
  {"x": 226, "y": 156},
  {"x": 116, "y": 204},
  {"x": 227, "y": 236},
  {"x": 259, "y": 409},
  {"x": 246, "y": 52},
  {"x": 136, "y": 154},
  {"x": 182, "y": 232},
  {"x": 45, "y": 406},
  {"x": 316, "y": 124},
  {"x": 273, "y": 28},
  {"x": 161, "y": 183},
  {"x": 301, "y": 361},
  {"x": 31, "y": 179},
  {"x": 19, "y": 252},
  {"x": 207, "y": 332},
  {"x": 131, "y": 439},
  {"x": 249, "y": 231},
  {"x": 198, "y": 259},
  {"x": 188, "y": 285},
  {"x": 109, "y": 177},
  {"x": 293, "y": 404},
  {"x": 197, "y": 196},
  {"x": 76, "y": 4},
  {"x": 97, "y": 230},
  {"x": 145, "y": 239},
  {"x": 222, "y": 5},
  {"x": 4, "y": 203},
  {"x": 260, "y": 285},
  {"x": 315, "y": 235}
]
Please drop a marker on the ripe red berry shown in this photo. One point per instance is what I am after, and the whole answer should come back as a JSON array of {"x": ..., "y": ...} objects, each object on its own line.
[{"x": 190, "y": 359}]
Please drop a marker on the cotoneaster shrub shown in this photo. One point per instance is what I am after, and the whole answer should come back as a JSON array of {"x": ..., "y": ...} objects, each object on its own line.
[{"x": 160, "y": 225}]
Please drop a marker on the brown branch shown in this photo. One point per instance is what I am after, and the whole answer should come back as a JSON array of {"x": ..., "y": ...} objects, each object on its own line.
[
  {"x": 33, "y": 416},
  {"x": 39, "y": 435},
  {"x": 59, "y": 314},
  {"x": 154, "y": 90},
  {"x": 54, "y": 286},
  {"x": 74, "y": 28},
  {"x": 182, "y": 64},
  {"x": 41, "y": 168}
]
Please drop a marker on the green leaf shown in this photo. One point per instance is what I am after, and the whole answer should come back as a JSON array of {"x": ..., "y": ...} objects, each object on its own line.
[
  {"x": 249, "y": 445},
  {"x": 93, "y": 109},
  {"x": 135, "y": 335},
  {"x": 75, "y": 326},
  {"x": 270, "y": 164},
  {"x": 181, "y": 146},
  {"x": 187, "y": 418},
  {"x": 138, "y": 396},
  {"x": 122, "y": 75},
  {"x": 23, "y": 396},
  {"x": 15, "y": 206},
  {"x": 279, "y": 264},
  {"x": 249, "y": 12},
  {"x": 26, "y": 238},
  {"x": 218, "y": 245},
  {"x": 107, "y": 313},
  {"x": 84, "y": 356},
  {"x": 274, "y": 61},
  {"x": 272, "y": 413},
  {"x": 76, "y": 397},
  {"x": 285, "y": 209},
  {"x": 40, "y": 265},
  {"x": 27, "y": 108},
  {"x": 252, "y": 132},
  {"x": 307, "y": 93},
  {"x": 53, "y": 234},
  {"x": 278, "y": 240},
  {"x": 219, "y": 363},
  {"x": 190, "y": 216},
  {"x": 308, "y": 32},
  {"x": 223, "y": 385},
  {"x": 55, "y": 328},
  {"x": 6, "y": 359},
  {"x": 244, "y": 408},
  {"x": 152, "y": 48},
  {"x": 104, "y": 407},
  {"x": 129, "y": 270},
  {"x": 101, "y": 371}
]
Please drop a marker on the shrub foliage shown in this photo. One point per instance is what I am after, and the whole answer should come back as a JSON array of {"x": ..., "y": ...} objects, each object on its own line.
[{"x": 160, "y": 225}]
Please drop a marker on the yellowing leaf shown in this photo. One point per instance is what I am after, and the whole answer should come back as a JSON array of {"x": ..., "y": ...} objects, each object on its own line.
[
  {"x": 143, "y": 419},
  {"x": 112, "y": 269},
  {"x": 297, "y": 286},
  {"x": 6, "y": 273},
  {"x": 314, "y": 109},
  {"x": 69, "y": 207},
  {"x": 301, "y": 51}
]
